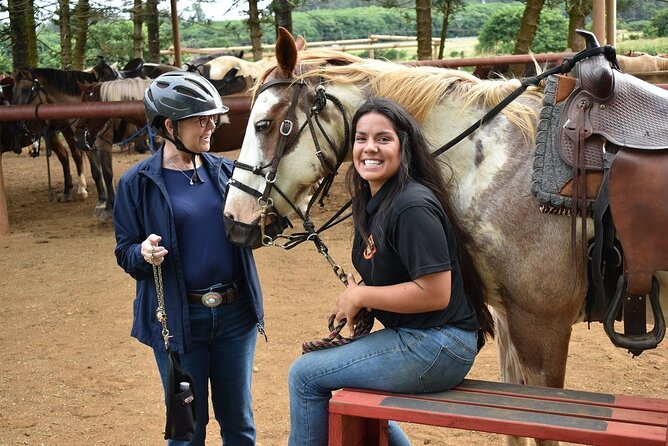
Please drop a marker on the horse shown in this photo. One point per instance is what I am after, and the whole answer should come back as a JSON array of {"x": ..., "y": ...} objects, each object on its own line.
[
  {"x": 642, "y": 63},
  {"x": 48, "y": 85},
  {"x": 96, "y": 136},
  {"x": 218, "y": 67},
  {"x": 198, "y": 61},
  {"x": 535, "y": 286}
]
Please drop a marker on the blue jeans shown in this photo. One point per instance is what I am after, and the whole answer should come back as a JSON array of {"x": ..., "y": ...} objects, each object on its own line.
[
  {"x": 223, "y": 347},
  {"x": 404, "y": 360}
]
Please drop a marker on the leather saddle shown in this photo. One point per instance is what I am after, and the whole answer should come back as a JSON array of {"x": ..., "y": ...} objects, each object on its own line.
[{"x": 613, "y": 136}]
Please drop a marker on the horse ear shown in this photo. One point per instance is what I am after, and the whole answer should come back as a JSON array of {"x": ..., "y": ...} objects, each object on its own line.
[
  {"x": 286, "y": 52},
  {"x": 300, "y": 43}
]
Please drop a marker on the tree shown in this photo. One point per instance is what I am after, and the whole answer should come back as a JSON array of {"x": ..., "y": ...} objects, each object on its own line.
[
  {"x": 423, "y": 19},
  {"x": 498, "y": 34},
  {"x": 528, "y": 26},
  {"x": 660, "y": 23},
  {"x": 81, "y": 14},
  {"x": 137, "y": 20},
  {"x": 22, "y": 33},
  {"x": 65, "y": 27},
  {"x": 577, "y": 11},
  {"x": 255, "y": 30},
  {"x": 282, "y": 14},
  {"x": 447, "y": 8},
  {"x": 152, "y": 30}
]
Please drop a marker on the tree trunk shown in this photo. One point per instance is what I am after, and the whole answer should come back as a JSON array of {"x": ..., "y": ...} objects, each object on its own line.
[
  {"x": 447, "y": 9},
  {"x": 282, "y": 14},
  {"x": 22, "y": 30},
  {"x": 423, "y": 17},
  {"x": 527, "y": 32},
  {"x": 255, "y": 31},
  {"x": 138, "y": 20},
  {"x": 153, "y": 30},
  {"x": 65, "y": 33},
  {"x": 81, "y": 14},
  {"x": 577, "y": 11}
]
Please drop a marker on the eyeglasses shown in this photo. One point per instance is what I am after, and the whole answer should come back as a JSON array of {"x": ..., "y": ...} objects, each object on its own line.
[{"x": 204, "y": 120}]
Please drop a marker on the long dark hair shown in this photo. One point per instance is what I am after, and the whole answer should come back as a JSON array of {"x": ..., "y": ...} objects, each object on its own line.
[{"x": 417, "y": 164}]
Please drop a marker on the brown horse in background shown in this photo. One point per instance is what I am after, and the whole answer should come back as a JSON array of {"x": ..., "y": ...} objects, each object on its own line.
[{"x": 34, "y": 86}]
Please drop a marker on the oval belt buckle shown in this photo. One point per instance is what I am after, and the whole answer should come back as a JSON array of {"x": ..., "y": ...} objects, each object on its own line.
[{"x": 212, "y": 299}]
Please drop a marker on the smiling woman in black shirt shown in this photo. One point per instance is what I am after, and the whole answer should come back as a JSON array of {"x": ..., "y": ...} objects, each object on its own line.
[{"x": 405, "y": 249}]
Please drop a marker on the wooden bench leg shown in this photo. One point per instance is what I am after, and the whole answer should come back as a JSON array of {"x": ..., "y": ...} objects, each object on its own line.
[{"x": 355, "y": 431}]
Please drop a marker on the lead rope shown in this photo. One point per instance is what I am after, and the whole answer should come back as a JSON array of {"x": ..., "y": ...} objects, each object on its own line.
[
  {"x": 334, "y": 338},
  {"x": 160, "y": 313}
]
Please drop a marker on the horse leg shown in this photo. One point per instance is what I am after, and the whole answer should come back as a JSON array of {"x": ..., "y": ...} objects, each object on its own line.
[
  {"x": 108, "y": 173},
  {"x": 96, "y": 173},
  {"x": 81, "y": 191},
  {"x": 61, "y": 152},
  {"x": 533, "y": 351}
]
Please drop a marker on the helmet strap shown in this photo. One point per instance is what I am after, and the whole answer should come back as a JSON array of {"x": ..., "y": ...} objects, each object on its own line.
[{"x": 180, "y": 146}]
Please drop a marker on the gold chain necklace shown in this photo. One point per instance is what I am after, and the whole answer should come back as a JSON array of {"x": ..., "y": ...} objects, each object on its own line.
[{"x": 169, "y": 161}]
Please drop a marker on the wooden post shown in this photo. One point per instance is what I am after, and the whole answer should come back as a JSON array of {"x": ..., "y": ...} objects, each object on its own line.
[
  {"x": 598, "y": 14},
  {"x": 4, "y": 215},
  {"x": 611, "y": 22},
  {"x": 176, "y": 35}
]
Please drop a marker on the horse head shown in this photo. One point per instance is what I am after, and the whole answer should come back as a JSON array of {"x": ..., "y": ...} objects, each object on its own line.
[
  {"x": 281, "y": 158},
  {"x": 103, "y": 71}
]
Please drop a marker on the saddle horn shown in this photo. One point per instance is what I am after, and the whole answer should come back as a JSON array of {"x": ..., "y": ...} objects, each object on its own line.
[{"x": 590, "y": 38}]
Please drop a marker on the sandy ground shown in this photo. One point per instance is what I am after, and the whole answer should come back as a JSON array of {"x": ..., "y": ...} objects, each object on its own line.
[{"x": 70, "y": 374}]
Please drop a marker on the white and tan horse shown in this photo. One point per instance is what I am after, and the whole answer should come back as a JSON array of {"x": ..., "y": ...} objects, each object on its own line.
[
  {"x": 642, "y": 63},
  {"x": 220, "y": 66},
  {"x": 524, "y": 256}
]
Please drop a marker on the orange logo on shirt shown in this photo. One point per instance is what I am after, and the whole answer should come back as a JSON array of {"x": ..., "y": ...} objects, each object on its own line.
[{"x": 370, "y": 249}]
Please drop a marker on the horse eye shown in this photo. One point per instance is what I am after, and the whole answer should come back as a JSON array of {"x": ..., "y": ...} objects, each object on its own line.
[{"x": 262, "y": 126}]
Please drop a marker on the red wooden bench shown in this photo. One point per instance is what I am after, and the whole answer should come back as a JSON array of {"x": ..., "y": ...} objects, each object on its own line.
[{"x": 359, "y": 417}]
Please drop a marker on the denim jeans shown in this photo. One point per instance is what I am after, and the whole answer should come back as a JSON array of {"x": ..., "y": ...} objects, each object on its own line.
[
  {"x": 223, "y": 341},
  {"x": 402, "y": 360}
]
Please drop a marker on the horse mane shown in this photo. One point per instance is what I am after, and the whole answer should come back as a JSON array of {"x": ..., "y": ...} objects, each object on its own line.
[
  {"x": 418, "y": 88},
  {"x": 66, "y": 81},
  {"x": 124, "y": 89}
]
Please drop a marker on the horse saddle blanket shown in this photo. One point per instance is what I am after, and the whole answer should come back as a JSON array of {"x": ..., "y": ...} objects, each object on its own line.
[{"x": 600, "y": 110}]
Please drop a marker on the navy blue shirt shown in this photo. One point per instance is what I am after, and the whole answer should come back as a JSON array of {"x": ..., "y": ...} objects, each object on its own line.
[
  {"x": 410, "y": 238},
  {"x": 198, "y": 216}
]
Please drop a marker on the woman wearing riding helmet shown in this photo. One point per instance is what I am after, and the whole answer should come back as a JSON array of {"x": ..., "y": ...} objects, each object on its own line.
[{"x": 169, "y": 212}]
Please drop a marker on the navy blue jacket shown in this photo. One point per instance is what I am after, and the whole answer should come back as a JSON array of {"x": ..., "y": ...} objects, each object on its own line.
[{"x": 142, "y": 207}]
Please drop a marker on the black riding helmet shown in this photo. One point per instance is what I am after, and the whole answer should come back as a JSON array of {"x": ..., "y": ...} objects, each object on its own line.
[{"x": 178, "y": 95}]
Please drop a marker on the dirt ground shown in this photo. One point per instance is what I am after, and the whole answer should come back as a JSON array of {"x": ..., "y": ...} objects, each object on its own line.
[{"x": 70, "y": 374}]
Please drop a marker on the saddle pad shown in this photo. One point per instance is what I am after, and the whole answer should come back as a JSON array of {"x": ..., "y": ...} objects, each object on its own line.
[{"x": 551, "y": 174}]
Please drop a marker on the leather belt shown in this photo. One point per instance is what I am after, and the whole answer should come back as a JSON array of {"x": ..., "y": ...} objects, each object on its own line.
[{"x": 214, "y": 296}]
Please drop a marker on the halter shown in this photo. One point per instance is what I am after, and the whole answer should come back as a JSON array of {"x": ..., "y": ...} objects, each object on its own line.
[{"x": 287, "y": 138}]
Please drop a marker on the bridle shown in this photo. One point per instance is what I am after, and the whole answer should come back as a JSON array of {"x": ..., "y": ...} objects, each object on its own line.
[
  {"x": 83, "y": 126},
  {"x": 288, "y": 136}
]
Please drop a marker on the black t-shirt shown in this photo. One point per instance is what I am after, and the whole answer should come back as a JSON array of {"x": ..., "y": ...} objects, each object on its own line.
[{"x": 410, "y": 238}]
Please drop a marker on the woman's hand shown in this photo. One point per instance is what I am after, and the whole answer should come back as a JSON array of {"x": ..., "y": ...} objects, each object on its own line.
[
  {"x": 347, "y": 304},
  {"x": 151, "y": 251}
]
